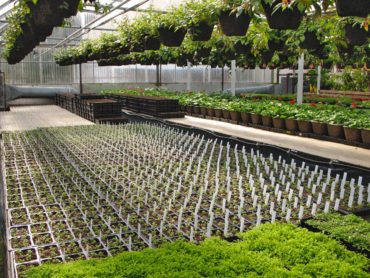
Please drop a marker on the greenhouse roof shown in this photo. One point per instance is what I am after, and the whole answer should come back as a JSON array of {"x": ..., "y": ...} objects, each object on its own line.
[{"x": 103, "y": 21}]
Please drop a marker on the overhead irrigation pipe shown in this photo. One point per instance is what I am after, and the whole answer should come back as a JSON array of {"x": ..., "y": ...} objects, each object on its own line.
[
  {"x": 87, "y": 25},
  {"x": 104, "y": 22}
]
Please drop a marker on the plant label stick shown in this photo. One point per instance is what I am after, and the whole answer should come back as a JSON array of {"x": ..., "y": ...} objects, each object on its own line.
[
  {"x": 319, "y": 198},
  {"x": 295, "y": 205},
  {"x": 242, "y": 224},
  {"x": 272, "y": 207},
  {"x": 351, "y": 197},
  {"x": 279, "y": 196},
  {"x": 313, "y": 210},
  {"x": 327, "y": 207},
  {"x": 288, "y": 215},
  {"x": 301, "y": 211},
  {"x": 255, "y": 199},
  {"x": 226, "y": 227},
  {"x": 300, "y": 194},
  {"x": 129, "y": 243},
  {"x": 267, "y": 198},
  {"x": 308, "y": 203},
  {"x": 336, "y": 205},
  {"x": 359, "y": 183}
]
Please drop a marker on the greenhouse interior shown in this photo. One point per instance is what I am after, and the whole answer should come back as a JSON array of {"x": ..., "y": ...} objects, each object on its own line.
[{"x": 184, "y": 138}]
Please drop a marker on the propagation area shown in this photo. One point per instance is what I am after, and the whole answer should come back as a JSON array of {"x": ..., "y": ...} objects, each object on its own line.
[{"x": 94, "y": 191}]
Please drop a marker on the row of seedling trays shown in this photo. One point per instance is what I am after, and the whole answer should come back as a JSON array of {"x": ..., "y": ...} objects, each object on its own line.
[
  {"x": 155, "y": 106},
  {"x": 94, "y": 191},
  {"x": 91, "y": 107}
]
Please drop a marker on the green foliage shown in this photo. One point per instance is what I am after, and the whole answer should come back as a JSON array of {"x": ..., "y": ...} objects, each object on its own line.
[
  {"x": 271, "y": 250},
  {"x": 141, "y": 28},
  {"x": 270, "y": 105},
  {"x": 200, "y": 11},
  {"x": 350, "y": 228},
  {"x": 174, "y": 19},
  {"x": 352, "y": 80}
]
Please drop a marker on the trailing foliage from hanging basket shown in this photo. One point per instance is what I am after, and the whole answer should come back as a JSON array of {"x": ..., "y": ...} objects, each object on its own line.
[
  {"x": 31, "y": 22},
  {"x": 18, "y": 43},
  {"x": 356, "y": 34},
  {"x": 172, "y": 27},
  {"x": 109, "y": 46},
  {"x": 141, "y": 34},
  {"x": 201, "y": 16}
]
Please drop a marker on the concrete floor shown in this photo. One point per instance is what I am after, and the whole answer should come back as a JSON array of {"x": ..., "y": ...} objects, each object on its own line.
[
  {"x": 32, "y": 117},
  {"x": 335, "y": 151}
]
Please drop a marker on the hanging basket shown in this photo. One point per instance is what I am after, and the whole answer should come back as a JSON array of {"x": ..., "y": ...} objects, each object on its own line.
[
  {"x": 266, "y": 56},
  {"x": 109, "y": 62},
  {"x": 276, "y": 45},
  {"x": 201, "y": 53},
  {"x": 70, "y": 7},
  {"x": 152, "y": 43},
  {"x": 327, "y": 64},
  {"x": 282, "y": 20},
  {"x": 45, "y": 13},
  {"x": 310, "y": 41},
  {"x": 171, "y": 37},
  {"x": 137, "y": 47},
  {"x": 359, "y": 8},
  {"x": 356, "y": 35},
  {"x": 29, "y": 33},
  {"x": 241, "y": 48},
  {"x": 201, "y": 32},
  {"x": 234, "y": 25}
]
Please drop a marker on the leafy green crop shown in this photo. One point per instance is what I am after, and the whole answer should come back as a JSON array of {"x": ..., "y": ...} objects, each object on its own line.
[
  {"x": 350, "y": 228},
  {"x": 271, "y": 250},
  {"x": 264, "y": 105}
]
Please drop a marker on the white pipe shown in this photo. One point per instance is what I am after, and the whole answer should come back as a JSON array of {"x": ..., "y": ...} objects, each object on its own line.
[
  {"x": 233, "y": 77},
  {"x": 300, "y": 79},
  {"x": 188, "y": 81},
  {"x": 318, "y": 79}
]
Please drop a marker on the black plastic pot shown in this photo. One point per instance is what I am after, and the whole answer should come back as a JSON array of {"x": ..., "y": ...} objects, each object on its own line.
[
  {"x": 109, "y": 62},
  {"x": 29, "y": 34},
  {"x": 71, "y": 8},
  {"x": 276, "y": 45},
  {"x": 201, "y": 32},
  {"x": 202, "y": 52},
  {"x": 241, "y": 48},
  {"x": 310, "y": 41},
  {"x": 266, "y": 56},
  {"x": 282, "y": 20},
  {"x": 359, "y": 8},
  {"x": 356, "y": 35},
  {"x": 326, "y": 64},
  {"x": 152, "y": 43},
  {"x": 171, "y": 37},
  {"x": 234, "y": 25},
  {"x": 352, "y": 134},
  {"x": 46, "y": 13}
]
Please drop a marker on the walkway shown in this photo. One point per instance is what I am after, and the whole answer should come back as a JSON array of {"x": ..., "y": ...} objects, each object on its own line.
[
  {"x": 32, "y": 117},
  {"x": 336, "y": 151}
]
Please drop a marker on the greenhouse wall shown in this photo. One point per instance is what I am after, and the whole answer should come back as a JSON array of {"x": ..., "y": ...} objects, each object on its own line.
[{"x": 42, "y": 70}]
